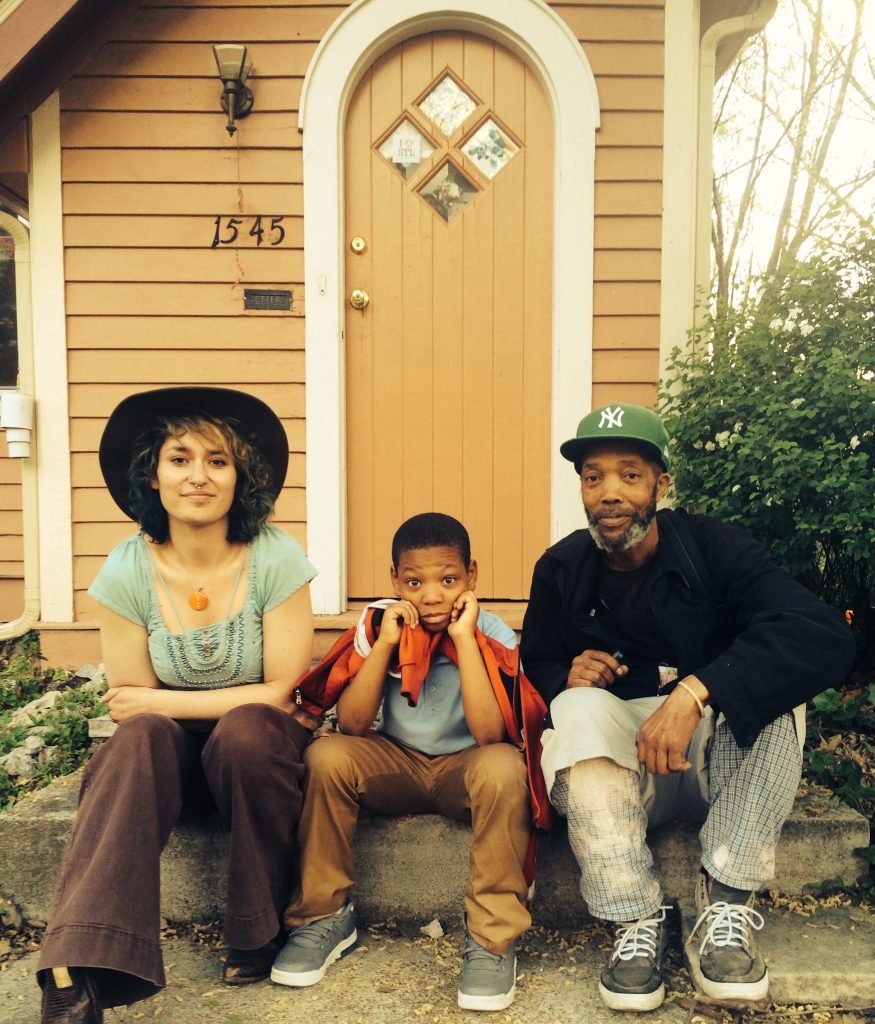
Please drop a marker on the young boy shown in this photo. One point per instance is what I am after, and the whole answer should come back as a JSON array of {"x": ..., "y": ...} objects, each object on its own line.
[{"x": 439, "y": 750}]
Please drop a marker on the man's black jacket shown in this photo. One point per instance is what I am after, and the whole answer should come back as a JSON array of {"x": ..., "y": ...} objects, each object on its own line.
[{"x": 756, "y": 638}]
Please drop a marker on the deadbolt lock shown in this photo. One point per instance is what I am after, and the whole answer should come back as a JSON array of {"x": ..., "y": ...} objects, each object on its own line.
[
  {"x": 358, "y": 245},
  {"x": 359, "y": 298}
]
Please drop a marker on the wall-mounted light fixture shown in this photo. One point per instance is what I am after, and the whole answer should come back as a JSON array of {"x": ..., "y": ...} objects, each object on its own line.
[{"x": 234, "y": 70}]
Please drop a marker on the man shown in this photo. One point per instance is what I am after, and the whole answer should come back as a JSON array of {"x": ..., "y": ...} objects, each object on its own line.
[{"x": 671, "y": 652}]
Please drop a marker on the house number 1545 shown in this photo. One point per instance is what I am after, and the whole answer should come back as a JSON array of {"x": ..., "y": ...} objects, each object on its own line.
[{"x": 265, "y": 230}]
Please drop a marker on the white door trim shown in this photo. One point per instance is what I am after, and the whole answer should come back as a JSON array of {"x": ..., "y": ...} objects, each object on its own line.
[{"x": 367, "y": 29}]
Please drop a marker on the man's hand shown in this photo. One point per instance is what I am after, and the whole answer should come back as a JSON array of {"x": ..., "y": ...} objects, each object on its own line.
[
  {"x": 123, "y": 702},
  {"x": 394, "y": 618},
  {"x": 665, "y": 736},
  {"x": 463, "y": 617},
  {"x": 595, "y": 668}
]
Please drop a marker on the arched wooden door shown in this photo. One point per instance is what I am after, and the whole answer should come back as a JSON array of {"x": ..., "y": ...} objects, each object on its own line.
[{"x": 449, "y": 167}]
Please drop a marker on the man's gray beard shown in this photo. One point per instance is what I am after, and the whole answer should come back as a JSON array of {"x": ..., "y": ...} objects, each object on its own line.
[{"x": 631, "y": 538}]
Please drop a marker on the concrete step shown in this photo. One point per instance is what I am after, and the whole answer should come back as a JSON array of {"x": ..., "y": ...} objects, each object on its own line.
[{"x": 413, "y": 868}]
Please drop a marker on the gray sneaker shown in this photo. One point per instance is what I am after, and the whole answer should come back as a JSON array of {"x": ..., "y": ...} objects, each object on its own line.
[
  {"x": 632, "y": 979},
  {"x": 311, "y": 949},
  {"x": 488, "y": 980},
  {"x": 726, "y": 963}
]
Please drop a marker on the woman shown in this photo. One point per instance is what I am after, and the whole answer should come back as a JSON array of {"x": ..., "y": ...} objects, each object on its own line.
[{"x": 205, "y": 626}]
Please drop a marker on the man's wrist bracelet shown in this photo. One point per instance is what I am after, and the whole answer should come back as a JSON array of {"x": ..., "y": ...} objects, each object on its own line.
[{"x": 694, "y": 695}]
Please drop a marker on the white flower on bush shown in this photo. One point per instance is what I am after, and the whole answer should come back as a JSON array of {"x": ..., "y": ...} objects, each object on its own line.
[
  {"x": 796, "y": 402},
  {"x": 776, "y": 325},
  {"x": 805, "y": 328},
  {"x": 736, "y": 488},
  {"x": 854, "y": 442},
  {"x": 697, "y": 445},
  {"x": 710, "y": 446},
  {"x": 738, "y": 426},
  {"x": 722, "y": 438}
]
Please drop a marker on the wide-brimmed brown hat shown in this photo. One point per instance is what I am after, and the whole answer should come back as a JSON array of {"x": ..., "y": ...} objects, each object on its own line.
[{"x": 254, "y": 421}]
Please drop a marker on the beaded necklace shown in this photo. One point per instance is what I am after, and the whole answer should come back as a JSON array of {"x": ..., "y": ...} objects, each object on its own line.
[{"x": 207, "y": 644}]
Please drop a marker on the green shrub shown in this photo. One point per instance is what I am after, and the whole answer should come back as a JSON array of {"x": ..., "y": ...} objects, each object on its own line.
[
  {"x": 772, "y": 416},
  {"x": 23, "y": 679}
]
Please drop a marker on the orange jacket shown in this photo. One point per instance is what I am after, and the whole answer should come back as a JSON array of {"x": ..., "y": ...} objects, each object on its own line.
[{"x": 522, "y": 707}]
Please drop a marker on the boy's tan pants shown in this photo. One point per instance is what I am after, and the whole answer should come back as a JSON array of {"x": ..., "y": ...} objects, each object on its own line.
[{"x": 484, "y": 785}]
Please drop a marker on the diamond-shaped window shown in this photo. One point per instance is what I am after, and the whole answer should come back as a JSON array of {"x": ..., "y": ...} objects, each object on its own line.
[
  {"x": 448, "y": 191},
  {"x": 490, "y": 148},
  {"x": 447, "y": 105},
  {"x": 406, "y": 147}
]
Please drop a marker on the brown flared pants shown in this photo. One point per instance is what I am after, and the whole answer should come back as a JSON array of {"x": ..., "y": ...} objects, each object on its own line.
[
  {"x": 105, "y": 914},
  {"x": 485, "y": 786}
]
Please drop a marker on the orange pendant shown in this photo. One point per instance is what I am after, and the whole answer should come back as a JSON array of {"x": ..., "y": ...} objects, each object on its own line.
[{"x": 198, "y": 600}]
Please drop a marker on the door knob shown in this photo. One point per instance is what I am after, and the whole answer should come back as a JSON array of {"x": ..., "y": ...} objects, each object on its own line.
[{"x": 359, "y": 298}]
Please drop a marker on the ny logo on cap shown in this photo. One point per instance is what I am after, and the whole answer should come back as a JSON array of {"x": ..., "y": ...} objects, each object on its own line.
[{"x": 611, "y": 417}]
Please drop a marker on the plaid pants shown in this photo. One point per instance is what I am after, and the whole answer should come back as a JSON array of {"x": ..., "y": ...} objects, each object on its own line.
[{"x": 744, "y": 795}]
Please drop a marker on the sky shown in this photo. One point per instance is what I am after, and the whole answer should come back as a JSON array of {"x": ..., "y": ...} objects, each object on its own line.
[{"x": 853, "y": 146}]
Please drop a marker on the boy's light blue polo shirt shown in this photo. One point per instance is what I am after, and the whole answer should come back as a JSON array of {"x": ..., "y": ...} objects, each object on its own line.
[{"x": 437, "y": 724}]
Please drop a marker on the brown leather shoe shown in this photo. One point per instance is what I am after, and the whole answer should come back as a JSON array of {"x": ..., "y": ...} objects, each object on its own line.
[
  {"x": 246, "y": 966},
  {"x": 76, "y": 1004}
]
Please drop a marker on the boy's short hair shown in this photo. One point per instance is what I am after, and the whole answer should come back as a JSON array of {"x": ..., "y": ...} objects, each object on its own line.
[{"x": 431, "y": 530}]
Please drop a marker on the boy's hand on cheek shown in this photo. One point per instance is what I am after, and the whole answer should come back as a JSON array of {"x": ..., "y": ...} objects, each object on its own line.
[
  {"x": 394, "y": 618},
  {"x": 463, "y": 618}
]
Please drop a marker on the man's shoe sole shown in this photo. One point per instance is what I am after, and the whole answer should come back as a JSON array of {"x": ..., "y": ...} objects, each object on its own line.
[
  {"x": 749, "y": 992},
  {"x": 640, "y": 1001},
  {"x": 467, "y": 1001},
  {"x": 302, "y": 979}
]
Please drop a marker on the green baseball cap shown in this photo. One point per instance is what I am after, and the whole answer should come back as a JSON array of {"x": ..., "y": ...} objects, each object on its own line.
[{"x": 622, "y": 421}]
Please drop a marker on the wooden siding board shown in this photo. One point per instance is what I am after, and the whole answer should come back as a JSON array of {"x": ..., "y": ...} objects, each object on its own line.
[
  {"x": 628, "y": 198},
  {"x": 247, "y": 24},
  {"x": 630, "y": 128},
  {"x": 178, "y": 299},
  {"x": 105, "y": 367},
  {"x": 286, "y": 400},
  {"x": 171, "y": 332},
  {"x": 85, "y": 436},
  {"x": 628, "y": 163},
  {"x": 627, "y": 93},
  {"x": 627, "y": 265},
  {"x": 625, "y": 332},
  {"x": 177, "y": 231},
  {"x": 159, "y": 199},
  {"x": 629, "y": 365},
  {"x": 627, "y": 232},
  {"x": 113, "y": 129},
  {"x": 290, "y": 58},
  {"x": 251, "y": 266},
  {"x": 626, "y": 297},
  {"x": 623, "y": 58},
  {"x": 190, "y": 95},
  {"x": 640, "y": 394},
  {"x": 281, "y": 166},
  {"x": 612, "y": 24}
]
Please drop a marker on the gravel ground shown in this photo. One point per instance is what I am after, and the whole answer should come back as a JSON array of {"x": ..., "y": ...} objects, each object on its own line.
[{"x": 395, "y": 975}]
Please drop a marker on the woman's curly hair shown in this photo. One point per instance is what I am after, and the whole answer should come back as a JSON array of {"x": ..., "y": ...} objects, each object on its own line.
[{"x": 253, "y": 498}]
